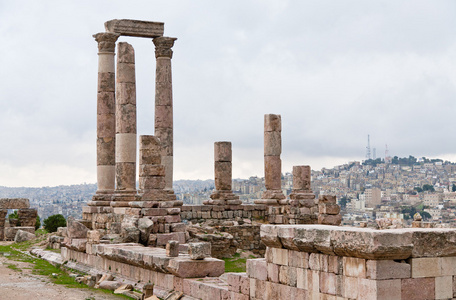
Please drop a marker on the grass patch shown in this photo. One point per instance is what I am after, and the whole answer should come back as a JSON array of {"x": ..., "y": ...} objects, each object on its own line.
[
  {"x": 236, "y": 264},
  {"x": 14, "y": 267},
  {"x": 16, "y": 252}
]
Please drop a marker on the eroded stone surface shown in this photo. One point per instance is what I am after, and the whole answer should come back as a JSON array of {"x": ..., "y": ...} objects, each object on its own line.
[
  {"x": 135, "y": 28},
  {"x": 14, "y": 203}
]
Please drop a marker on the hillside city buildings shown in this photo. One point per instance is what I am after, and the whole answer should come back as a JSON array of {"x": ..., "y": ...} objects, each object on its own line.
[{"x": 365, "y": 190}]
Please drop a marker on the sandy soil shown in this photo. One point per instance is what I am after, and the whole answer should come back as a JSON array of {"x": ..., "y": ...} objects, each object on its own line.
[{"x": 23, "y": 285}]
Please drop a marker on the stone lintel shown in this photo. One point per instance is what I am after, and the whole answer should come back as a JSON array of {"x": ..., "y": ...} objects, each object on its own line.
[
  {"x": 135, "y": 28},
  {"x": 14, "y": 203},
  {"x": 362, "y": 242}
]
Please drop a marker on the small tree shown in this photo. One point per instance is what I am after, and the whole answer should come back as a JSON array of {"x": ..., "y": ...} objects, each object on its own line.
[
  {"x": 53, "y": 222},
  {"x": 453, "y": 188},
  {"x": 426, "y": 215}
]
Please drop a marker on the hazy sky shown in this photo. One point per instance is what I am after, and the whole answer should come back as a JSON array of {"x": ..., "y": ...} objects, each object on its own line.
[{"x": 335, "y": 70}]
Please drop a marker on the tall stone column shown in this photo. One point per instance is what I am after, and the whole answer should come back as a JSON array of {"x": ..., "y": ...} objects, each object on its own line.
[
  {"x": 125, "y": 127},
  {"x": 272, "y": 161},
  {"x": 223, "y": 193},
  {"x": 105, "y": 118},
  {"x": 164, "y": 105}
]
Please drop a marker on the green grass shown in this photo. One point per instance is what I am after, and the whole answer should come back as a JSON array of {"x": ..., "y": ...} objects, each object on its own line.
[
  {"x": 42, "y": 267},
  {"x": 235, "y": 264}
]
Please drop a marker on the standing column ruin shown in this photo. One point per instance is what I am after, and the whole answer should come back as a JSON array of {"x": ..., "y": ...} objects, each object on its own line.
[
  {"x": 125, "y": 127},
  {"x": 272, "y": 161},
  {"x": 223, "y": 194},
  {"x": 302, "y": 200},
  {"x": 106, "y": 120},
  {"x": 164, "y": 104},
  {"x": 151, "y": 171}
]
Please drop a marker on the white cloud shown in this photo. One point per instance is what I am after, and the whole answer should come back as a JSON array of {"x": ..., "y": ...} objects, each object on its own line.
[{"x": 335, "y": 71}]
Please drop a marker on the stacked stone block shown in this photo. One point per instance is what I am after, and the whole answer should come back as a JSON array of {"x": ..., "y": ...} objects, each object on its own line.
[
  {"x": 27, "y": 216},
  {"x": 329, "y": 262},
  {"x": 153, "y": 201},
  {"x": 272, "y": 162},
  {"x": 223, "y": 194},
  {"x": 301, "y": 208},
  {"x": 125, "y": 127},
  {"x": 329, "y": 210}
]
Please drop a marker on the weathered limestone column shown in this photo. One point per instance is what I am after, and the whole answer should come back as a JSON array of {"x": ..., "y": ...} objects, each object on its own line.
[
  {"x": 125, "y": 127},
  {"x": 223, "y": 193},
  {"x": 302, "y": 191},
  {"x": 164, "y": 104},
  {"x": 105, "y": 117},
  {"x": 272, "y": 161}
]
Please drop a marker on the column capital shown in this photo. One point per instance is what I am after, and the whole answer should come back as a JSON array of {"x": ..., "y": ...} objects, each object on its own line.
[
  {"x": 163, "y": 46},
  {"x": 106, "y": 41}
]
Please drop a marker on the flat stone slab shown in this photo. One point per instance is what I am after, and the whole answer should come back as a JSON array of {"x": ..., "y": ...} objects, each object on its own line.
[
  {"x": 14, "y": 203},
  {"x": 135, "y": 28},
  {"x": 362, "y": 242},
  {"x": 156, "y": 259}
]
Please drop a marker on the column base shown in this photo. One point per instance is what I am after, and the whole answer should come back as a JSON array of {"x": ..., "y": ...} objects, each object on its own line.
[{"x": 123, "y": 198}]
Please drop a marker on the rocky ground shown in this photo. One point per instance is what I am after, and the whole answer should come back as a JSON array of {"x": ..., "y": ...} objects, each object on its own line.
[{"x": 18, "y": 282}]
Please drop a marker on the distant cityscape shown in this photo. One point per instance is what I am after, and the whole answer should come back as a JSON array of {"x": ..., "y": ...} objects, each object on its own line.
[{"x": 375, "y": 188}]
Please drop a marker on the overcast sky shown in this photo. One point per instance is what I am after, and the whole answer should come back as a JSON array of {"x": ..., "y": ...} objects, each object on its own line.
[{"x": 335, "y": 70}]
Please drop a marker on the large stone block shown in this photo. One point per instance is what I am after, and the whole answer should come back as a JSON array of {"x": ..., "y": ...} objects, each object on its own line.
[
  {"x": 387, "y": 269},
  {"x": 426, "y": 267},
  {"x": 257, "y": 268},
  {"x": 301, "y": 178},
  {"x": 328, "y": 283},
  {"x": 272, "y": 122},
  {"x": 22, "y": 236},
  {"x": 125, "y": 93},
  {"x": 187, "y": 268},
  {"x": 76, "y": 230},
  {"x": 14, "y": 203},
  {"x": 126, "y": 118},
  {"x": 199, "y": 251},
  {"x": 329, "y": 209},
  {"x": 444, "y": 287},
  {"x": 223, "y": 177},
  {"x": 164, "y": 116},
  {"x": 418, "y": 288},
  {"x": 273, "y": 172},
  {"x": 272, "y": 143},
  {"x": 354, "y": 267},
  {"x": 106, "y": 103},
  {"x": 222, "y": 151},
  {"x": 135, "y": 28},
  {"x": 433, "y": 242}
]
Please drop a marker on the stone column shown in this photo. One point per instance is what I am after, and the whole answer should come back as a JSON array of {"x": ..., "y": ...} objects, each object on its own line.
[
  {"x": 125, "y": 127},
  {"x": 272, "y": 161},
  {"x": 223, "y": 193},
  {"x": 164, "y": 104},
  {"x": 105, "y": 116}
]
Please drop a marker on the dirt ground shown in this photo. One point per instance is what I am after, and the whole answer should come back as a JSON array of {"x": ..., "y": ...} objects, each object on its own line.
[{"x": 23, "y": 285}]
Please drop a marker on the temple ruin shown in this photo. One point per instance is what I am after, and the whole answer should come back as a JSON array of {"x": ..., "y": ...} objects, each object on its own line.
[{"x": 146, "y": 236}]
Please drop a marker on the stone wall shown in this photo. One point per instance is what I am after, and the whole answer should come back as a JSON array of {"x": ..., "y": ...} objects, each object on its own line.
[{"x": 303, "y": 262}]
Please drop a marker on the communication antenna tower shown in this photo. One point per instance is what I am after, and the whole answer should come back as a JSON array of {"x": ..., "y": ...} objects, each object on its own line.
[
  {"x": 368, "y": 148},
  {"x": 387, "y": 157}
]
